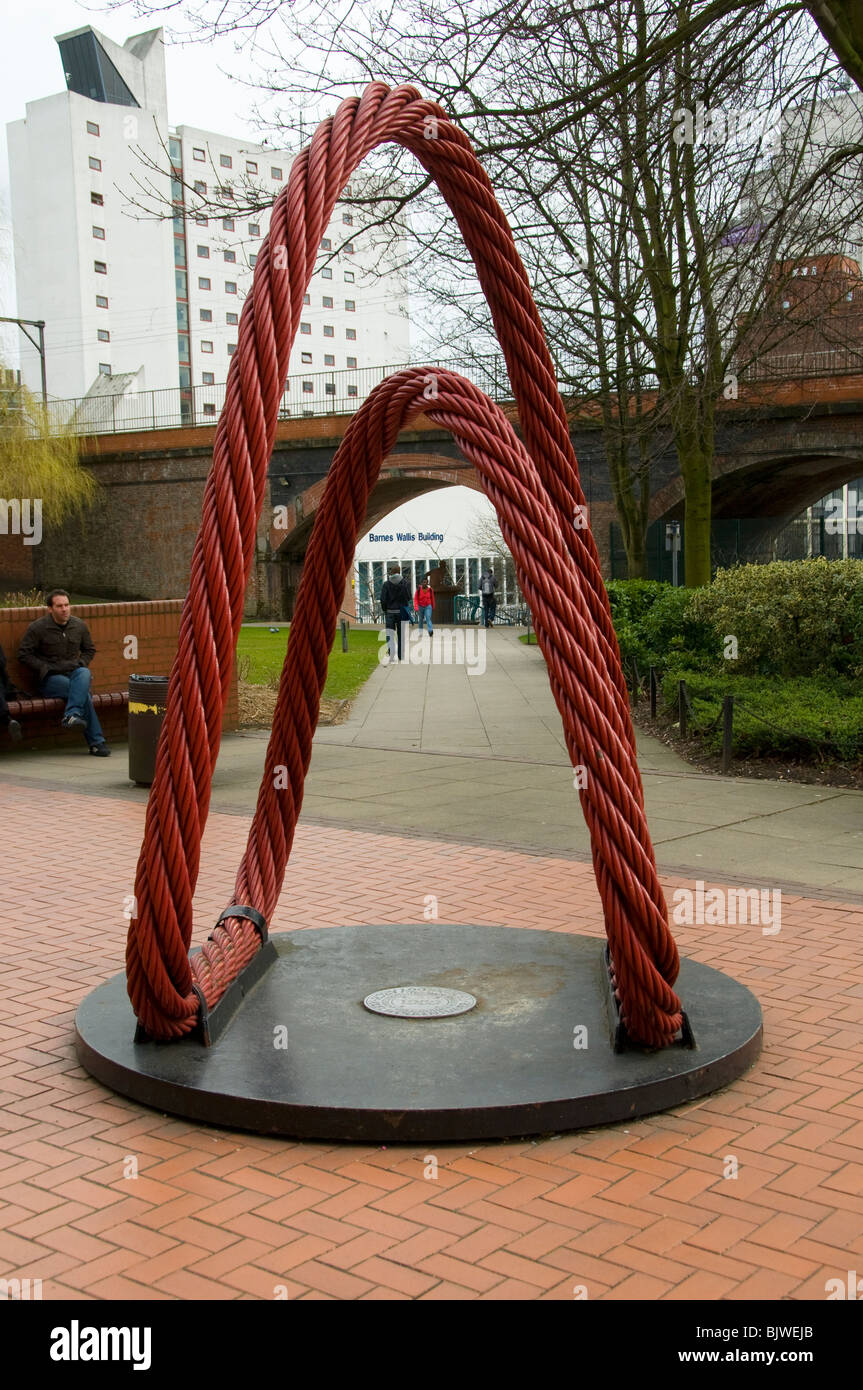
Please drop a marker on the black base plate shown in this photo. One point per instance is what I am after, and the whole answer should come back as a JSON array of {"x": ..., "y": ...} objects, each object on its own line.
[{"x": 509, "y": 1067}]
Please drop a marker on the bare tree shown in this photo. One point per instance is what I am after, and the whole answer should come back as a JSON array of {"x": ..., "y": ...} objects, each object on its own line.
[{"x": 632, "y": 144}]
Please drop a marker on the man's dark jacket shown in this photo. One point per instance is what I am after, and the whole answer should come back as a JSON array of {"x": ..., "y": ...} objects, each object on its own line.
[
  {"x": 50, "y": 648},
  {"x": 395, "y": 594}
]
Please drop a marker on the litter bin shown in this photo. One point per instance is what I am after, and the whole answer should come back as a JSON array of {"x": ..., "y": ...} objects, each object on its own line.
[{"x": 148, "y": 696}]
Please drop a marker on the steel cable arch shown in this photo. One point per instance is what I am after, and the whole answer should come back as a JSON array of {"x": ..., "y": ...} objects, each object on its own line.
[{"x": 543, "y": 524}]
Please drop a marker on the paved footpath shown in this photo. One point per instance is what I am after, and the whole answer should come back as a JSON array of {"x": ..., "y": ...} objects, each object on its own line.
[{"x": 466, "y": 781}]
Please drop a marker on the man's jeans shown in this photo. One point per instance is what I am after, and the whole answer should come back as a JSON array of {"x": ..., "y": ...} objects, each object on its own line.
[
  {"x": 489, "y": 608},
  {"x": 424, "y": 613},
  {"x": 75, "y": 690}
]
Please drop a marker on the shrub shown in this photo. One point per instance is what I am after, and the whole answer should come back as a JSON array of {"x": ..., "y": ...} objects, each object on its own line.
[
  {"x": 32, "y": 598},
  {"x": 815, "y": 715},
  {"x": 794, "y": 618},
  {"x": 654, "y": 625}
]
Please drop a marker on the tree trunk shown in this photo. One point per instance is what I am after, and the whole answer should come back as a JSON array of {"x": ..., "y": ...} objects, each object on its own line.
[
  {"x": 695, "y": 470},
  {"x": 841, "y": 23}
]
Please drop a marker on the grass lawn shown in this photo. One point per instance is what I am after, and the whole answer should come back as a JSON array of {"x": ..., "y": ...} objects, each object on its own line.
[{"x": 347, "y": 671}]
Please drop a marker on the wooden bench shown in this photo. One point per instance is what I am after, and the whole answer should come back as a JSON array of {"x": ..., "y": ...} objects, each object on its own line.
[{"x": 39, "y": 717}]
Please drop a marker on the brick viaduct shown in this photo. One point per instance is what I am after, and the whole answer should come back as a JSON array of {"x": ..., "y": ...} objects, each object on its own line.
[{"x": 779, "y": 449}]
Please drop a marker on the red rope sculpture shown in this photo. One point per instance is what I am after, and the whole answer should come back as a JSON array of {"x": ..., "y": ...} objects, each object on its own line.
[{"x": 535, "y": 489}]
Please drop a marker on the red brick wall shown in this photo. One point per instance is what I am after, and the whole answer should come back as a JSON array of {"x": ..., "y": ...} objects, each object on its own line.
[{"x": 154, "y": 625}]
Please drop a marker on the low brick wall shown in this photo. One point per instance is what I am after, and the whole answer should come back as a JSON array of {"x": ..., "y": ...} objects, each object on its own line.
[{"x": 154, "y": 626}]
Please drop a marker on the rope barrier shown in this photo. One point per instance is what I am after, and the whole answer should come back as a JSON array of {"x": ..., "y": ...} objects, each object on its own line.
[{"x": 536, "y": 492}]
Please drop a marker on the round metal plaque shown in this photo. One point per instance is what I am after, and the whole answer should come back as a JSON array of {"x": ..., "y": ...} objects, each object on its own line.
[{"x": 419, "y": 1001}]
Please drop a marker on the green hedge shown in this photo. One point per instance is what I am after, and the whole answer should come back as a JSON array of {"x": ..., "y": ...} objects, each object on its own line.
[
  {"x": 814, "y": 716},
  {"x": 654, "y": 625}
]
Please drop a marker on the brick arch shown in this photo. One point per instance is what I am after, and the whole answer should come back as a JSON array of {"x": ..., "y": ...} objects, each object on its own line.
[
  {"x": 403, "y": 478},
  {"x": 777, "y": 489}
]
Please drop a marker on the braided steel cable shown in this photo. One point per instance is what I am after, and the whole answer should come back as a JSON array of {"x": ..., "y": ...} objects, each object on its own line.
[{"x": 557, "y": 550}]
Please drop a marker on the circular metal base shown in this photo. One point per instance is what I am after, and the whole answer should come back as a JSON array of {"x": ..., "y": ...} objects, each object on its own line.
[{"x": 302, "y": 1056}]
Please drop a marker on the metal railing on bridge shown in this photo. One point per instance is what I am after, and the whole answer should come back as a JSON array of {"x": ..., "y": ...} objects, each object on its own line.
[
  {"x": 305, "y": 394},
  {"x": 343, "y": 392}
]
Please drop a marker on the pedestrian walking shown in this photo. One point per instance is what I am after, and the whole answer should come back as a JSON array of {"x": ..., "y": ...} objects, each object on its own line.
[
  {"x": 395, "y": 601},
  {"x": 487, "y": 587},
  {"x": 424, "y": 603}
]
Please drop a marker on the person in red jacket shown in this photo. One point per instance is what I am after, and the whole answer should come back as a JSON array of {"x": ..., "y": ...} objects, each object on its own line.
[{"x": 424, "y": 604}]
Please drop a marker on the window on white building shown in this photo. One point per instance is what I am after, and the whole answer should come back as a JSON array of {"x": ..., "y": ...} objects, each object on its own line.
[
  {"x": 208, "y": 378},
  {"x": 92, "y": 128},
  {"x": 329, "y": 388},
  {"x": 230, "y": 287},
  {"x": 104, "y": 368},
  {"x": 99, "y": 233},
  {"x": 232, "y": 318},
  {"x": 251, "y": 166},
  {"x": 206, "y": 345},
  {"x": 351, "y": 306},
  {"x": 200, "y": 187},
  {"x": 204, "y": 283},
  {"x": 353, "y": 390},
  {"x": 103, "y": 335},
  {"x": 308, "y": 387},
  {"x": 201, "y": 220},
  {"x": 351, "y": 362},
  {"x": 348, "y": 248},
  {"x": 305, "y": 327},
  {"x": 100, "y": 267},
  {"x": 226, "y": 161},
  {"x": 326, "y": 244},
  {"x": 206, "y": 315},
  {"x": 349, "y": 277},
  {"x": 199, "y": 154},
  {"x": 254, "y": 229},
  {"x": 232, "y": 348},
  {"x": 328, "y": 301},
  {"x": 351, "y": 334},
  {"x": 329, "y": 359},
  {"x": 253, "y": 261},
  {"x": 307, "y": 299},
  {"x": 230, "y": 257},
  {"x": 209, "y": 408},
  {"x": 306, "y": 358},
  {"x": 95, "y": 163},
  {"x": 227, "y": 224},
  {"x": 204, "y": 252},
  {"x": 347, "y": 220},
  {"x": 101, "y": 301},
  {"x": 329, "y": 330},
  {"x": 276, "y": 173},
  {"x": 97, "y": 199},
  {"x": 327, "y": 273}
]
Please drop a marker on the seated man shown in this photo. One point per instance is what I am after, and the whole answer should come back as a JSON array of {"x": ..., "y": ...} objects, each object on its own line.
[
  {"x": 59, "y": 649},
  {"x": 7, "y": 692}
]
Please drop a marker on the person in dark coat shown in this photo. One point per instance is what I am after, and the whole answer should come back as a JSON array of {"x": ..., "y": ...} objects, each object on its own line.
[
  {"x": 59, "y": 649},
  {"x": 395, "y": 598}
]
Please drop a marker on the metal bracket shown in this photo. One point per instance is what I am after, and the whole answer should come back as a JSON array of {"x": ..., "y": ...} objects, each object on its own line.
[{"x": 620, "y": 1038}]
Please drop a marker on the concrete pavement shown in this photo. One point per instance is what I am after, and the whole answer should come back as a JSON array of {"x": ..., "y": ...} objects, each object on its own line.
[{"x": 434, "y": 750}]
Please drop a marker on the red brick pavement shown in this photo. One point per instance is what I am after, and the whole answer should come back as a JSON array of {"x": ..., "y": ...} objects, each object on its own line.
[{"x": 642, "y": 1211}]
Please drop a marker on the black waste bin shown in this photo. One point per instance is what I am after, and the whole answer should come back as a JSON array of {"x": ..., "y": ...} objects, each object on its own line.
[{"x": 148, "y": 696}]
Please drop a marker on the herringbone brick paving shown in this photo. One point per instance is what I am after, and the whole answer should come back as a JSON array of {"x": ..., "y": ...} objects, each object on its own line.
[{"x": 642, "y": 1211}]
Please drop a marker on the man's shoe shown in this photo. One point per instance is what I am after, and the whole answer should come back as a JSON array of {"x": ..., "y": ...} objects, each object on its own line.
[
  {"x": 73, "y": 721},
  {"x": 100, "y": 750},
  {"x": 14, "y": 731}
]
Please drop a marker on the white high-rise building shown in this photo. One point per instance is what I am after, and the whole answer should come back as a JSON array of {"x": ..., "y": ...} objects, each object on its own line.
[{"x": 159, "y": 297}]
